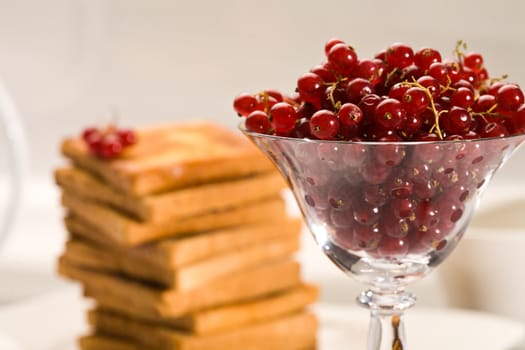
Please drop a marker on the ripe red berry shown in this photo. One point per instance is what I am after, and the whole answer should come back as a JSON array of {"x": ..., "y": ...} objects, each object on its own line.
[
  {"x": 494, "y": 130},
  {"x": 425, "y": 57},
  {"x": 127, "y": 137},
  {"x": 343, "y": 58},
  {"x": 431, "y": 84},
  {"x": 310, "y": 88},
  {"x": 462, "y": 97},
  {"x": 283, "y": 117},
  {"x": 457, "y": 121},
  {"x": 473, "y": 61},
  {"x": 415, "y": 100},
  {"x": 350, "y": 116},
  {"x": 331, "y": 43},
  {"x": 324, "y": 125},
  {"x": 110, "y": 146},
  {"x": 389, "y": 114},
  {"x": 371, "y": 70},
  {"x": 399, "y": 56},
  {"x": 108, "y": 142},
  {"x": 509, "y": 97},
  {"x": 244, "y": 104},
  {"x": 258, "y": 121},
  {"x": 357, "y": 88}
]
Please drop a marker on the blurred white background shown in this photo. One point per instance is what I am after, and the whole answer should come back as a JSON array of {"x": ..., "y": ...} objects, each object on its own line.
[{"x": 68, "y": 62}]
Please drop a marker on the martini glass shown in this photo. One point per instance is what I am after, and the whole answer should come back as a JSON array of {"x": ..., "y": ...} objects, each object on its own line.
[{"x": 387, "y": 213}]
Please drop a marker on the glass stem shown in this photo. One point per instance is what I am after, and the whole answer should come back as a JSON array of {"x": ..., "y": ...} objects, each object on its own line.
[{"x": 386, "y": 330}]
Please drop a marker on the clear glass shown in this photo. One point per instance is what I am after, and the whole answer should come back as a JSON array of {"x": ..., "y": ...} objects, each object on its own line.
[{"x": 387, "y": 213}]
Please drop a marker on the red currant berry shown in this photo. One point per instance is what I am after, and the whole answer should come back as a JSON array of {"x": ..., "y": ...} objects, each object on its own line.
[
  {"x": 453, "y": 71},
  {"x": 411, "y": 73},
  {"x": 245, "y": 103},
  {"x": 484, "y": 103},
  {"x": 325, "y": 72},
  {"x": 357, "y": 88},
  {"x": 110, "y": 146},
  {"x": 127, "y": 137},
  {"x": 462, "y": 97},
  {"x": 457, "y": 121},
  {"x": 415, "y": 100},
  {"x": 494, "y": 87},
  {"x": 371, "y": 70},
  {"x": 302, "y": 129},
  {"x": 368, "y": 104},
  {"x": 89, "y": 133},
  {"x": 343, "y": 58},
  {"x": 398, "y": 90},
  {"x": 258, "y": 121},
  {"x": 473, "y": 61},
  {"x": 482, "y": 75},
  {"x": 274, "y": 94},
  {"x": 283, "y": 117},
  {"x": 389, "y": 114},
  {"x": 324, "y": 125},
  {"x": 431, "y": 84},
  {"x": 399, "y": 56},
  {"x": 494, "y": 130},
  {"x": 439, "y": 71},
  {"x": 310, "y": 88},
  {"x": 509, "y": 97},
  {"x": 350, "y": 115},
  {"x": 425, "y": 57},
  {"x": 331, "y": 43}
]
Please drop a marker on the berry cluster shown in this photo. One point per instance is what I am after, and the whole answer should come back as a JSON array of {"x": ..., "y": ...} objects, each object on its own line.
[
  {"x": 108, "y": 142},
  {"x": 399, "y": 95}
]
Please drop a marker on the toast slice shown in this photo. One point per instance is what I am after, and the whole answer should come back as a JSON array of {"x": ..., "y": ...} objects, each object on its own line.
[
  {"x": 123, "y": 230},
  {"x": 296, "y": 331},
  {"x": 85, "y": 254},
  {"x": 181, "y": 251},
  {"x": 234, "y": 315},
  {"x": 176, "y": 204},
  {"x": 173, "y": 156},
  {"x": 129, "y": 295}
]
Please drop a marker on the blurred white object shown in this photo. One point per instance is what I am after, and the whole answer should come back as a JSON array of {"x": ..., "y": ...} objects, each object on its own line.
[
  {"x": 486, "y": 271},
  {"x": 16, "y": 157}
]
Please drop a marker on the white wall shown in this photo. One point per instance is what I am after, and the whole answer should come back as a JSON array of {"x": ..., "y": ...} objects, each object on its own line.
[{"x": 68, "y": 61}]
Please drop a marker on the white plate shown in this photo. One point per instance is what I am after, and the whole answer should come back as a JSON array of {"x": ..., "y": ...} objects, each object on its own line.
[{"x": 54, "y": 320}]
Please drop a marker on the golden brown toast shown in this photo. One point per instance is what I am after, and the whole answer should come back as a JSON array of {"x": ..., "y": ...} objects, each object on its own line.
[
  {"x": 105, "y": 259},
  {"x": 132, "y": 296},
  {"x": 123, "y": 230},
  {"x": 295, "y": 331},
  {"x": 176, "y": 204},
  {"x": 237, "y": 314},
  {"x": 181, "y": 251},
  {"x": 173, "y": 156}
]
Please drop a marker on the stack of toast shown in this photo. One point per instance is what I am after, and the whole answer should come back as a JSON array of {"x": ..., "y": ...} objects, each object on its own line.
[{"x": 183, "y": 242}]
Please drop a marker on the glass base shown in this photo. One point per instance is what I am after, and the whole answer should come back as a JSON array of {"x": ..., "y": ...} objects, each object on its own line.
[{"x": 386, "y": 330}]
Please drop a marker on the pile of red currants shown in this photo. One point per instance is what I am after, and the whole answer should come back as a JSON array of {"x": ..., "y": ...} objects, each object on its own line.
[
  {"x": 399, "y": 95},
  {"x": 108, "y": 142}
]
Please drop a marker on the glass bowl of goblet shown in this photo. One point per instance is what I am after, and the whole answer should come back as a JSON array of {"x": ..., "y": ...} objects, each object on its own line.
[{"x": 387, "y": 213}]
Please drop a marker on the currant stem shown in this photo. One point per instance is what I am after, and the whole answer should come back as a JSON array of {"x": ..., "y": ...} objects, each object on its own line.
[{"x": 432, "y": 106}]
